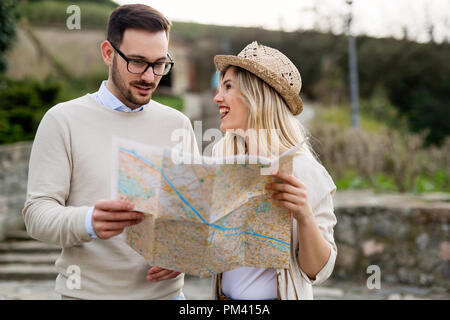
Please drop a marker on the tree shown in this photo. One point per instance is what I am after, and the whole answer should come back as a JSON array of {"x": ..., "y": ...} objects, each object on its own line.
[{"x": 7, "y": 29}]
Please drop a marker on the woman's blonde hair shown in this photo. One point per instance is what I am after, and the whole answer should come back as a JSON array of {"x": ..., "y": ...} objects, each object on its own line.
[{"x": 276, "y": 128}]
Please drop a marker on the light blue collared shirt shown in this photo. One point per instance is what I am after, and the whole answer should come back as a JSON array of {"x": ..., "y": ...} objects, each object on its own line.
[{"x": 109, "y": 100}]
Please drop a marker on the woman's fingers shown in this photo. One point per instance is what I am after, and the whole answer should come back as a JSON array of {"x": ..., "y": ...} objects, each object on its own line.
[
  {"x": 290, "y": 179},
  {"x": 291, "y": 194},
  {"x": 283, "y": 196},
  {"x": 284, "y": 187},
  {"x": 289, "y": 205}
]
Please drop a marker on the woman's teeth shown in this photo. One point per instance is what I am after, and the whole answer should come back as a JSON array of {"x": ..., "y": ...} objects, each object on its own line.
[{"x": 224, "y": 110}]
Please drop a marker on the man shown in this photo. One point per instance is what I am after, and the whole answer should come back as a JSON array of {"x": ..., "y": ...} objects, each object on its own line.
[{"x": 70, "y": 166}]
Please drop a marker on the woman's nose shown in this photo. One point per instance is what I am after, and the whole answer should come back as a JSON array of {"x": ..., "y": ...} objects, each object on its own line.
[{"x": 218, "y": 97}]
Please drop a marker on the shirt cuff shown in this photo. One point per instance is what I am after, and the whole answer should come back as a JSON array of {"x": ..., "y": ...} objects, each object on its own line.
[
  {"x": 88, "y": 223},
  {"x": 325, "y": 272}
]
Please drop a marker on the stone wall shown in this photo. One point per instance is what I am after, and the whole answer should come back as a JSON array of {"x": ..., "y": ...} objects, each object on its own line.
[
  {"x": 13, "y": 184},
  {"x": 405, "y": 236}
]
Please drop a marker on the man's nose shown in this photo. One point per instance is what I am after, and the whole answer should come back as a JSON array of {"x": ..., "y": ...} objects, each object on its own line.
[{"x": 148, "y": 75}]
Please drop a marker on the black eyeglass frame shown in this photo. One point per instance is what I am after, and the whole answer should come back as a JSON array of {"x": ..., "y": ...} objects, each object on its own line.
[{"x": 149, "y": 64}]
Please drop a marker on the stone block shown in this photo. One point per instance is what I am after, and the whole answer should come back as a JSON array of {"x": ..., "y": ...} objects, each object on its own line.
[
  {"x": 344, "y": 231},
  {"x": 347, "y": 257},
  {"x": 371, "y": 247},
  {"x": 444, "y": 250}
]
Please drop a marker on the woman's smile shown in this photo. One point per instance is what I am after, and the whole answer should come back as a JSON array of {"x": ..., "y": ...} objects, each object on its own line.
[{"x": 224, "y": 110}]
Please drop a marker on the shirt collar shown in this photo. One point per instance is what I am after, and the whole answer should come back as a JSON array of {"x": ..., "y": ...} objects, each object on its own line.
[{"x": 109, "y": 100}]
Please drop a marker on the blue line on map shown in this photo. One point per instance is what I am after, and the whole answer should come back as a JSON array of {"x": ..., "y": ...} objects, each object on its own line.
[
  {"x": 212, "y": 236},
  {"x": 132, "y": 152},
  {"x": 253, "y": 233}
]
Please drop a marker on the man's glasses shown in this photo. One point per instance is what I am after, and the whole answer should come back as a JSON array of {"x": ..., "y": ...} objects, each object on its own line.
[{"x": 140, "y": 66}]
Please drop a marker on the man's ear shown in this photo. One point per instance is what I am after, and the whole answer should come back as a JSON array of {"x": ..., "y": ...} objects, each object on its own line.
[{"x": 107, "y": 52}]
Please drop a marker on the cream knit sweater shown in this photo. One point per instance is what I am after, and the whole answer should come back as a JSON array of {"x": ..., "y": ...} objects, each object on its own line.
[{"x": 69, "y": 170}]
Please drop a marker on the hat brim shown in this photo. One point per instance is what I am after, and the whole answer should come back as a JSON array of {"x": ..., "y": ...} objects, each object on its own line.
[{"x": 280, "y": 85}]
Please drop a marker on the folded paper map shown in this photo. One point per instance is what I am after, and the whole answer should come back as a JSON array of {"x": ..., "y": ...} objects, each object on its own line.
[{"x": 202, "y": 217}]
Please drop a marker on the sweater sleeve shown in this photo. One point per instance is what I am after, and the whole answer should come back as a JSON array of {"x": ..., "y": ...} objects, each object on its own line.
[
  {"x": 46, "y": 216},
  {"x": 320, "y": 190},
  {"x": 326, "y": 220}
]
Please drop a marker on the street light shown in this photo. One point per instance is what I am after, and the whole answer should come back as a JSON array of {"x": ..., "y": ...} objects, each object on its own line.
[{"x": 353, "y": 66}]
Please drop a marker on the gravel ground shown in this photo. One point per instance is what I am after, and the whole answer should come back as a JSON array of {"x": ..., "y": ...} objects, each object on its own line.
[{"x": 199, "y": 289}]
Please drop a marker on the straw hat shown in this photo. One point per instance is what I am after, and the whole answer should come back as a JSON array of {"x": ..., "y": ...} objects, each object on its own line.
[{"x": 271, "y": 66}]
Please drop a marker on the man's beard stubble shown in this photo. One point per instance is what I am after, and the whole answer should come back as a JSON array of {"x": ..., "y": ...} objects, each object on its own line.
[{"x": 125, "y": 91}]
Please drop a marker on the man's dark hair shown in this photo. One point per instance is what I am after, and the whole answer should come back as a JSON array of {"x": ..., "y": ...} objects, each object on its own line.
[{"x": 135, "y": 16}]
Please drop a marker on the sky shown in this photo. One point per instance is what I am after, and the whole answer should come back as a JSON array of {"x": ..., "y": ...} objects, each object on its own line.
[{"x": 378, "y": 18}]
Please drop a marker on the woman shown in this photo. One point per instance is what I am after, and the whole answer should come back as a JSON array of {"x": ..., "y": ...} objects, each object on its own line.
[{"x": 259, "y": 89}]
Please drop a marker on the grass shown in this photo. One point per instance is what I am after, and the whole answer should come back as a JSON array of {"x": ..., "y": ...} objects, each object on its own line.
[
  {"x": 423, "y": 183},
  {"x": 341, "y": 116},
  {"x": 379, "y": 182},
  {"x": 439, "y": 182},
  {"x": 171, "y": 101}
]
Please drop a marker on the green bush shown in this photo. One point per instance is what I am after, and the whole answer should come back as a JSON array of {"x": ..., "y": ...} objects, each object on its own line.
[
  {"x": 23, "y": 103},
  {"x": 7, "y": 29}
]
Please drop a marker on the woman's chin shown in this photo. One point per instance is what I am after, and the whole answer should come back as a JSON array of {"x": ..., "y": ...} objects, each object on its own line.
[
  {"x": 235, "y": 128},
  {"x": 223, "y": 126}
]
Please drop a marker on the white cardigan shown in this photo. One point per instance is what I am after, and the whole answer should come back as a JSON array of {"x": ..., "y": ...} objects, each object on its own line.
[{"x": 293, "y": 283}]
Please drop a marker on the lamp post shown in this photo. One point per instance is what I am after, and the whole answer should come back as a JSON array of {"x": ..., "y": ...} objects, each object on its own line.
[{"x": 353, "y": 66}]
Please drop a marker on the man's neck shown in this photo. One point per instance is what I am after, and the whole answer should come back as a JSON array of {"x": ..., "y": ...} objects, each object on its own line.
[{"x": 112, "y": 88}]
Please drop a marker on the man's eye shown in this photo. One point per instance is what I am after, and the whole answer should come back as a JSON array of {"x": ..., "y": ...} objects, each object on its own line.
[{"x": 138, "y": 63}]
